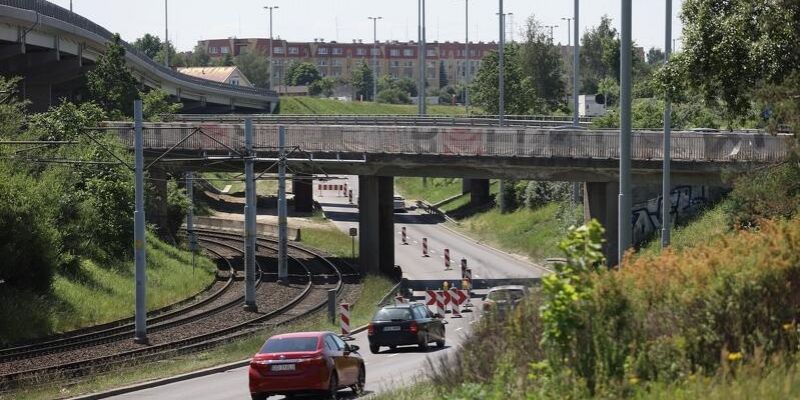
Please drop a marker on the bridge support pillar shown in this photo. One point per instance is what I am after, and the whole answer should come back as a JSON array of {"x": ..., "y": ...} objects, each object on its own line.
[
  {"x": 600, "y": 203},
  {"x": 376, "y": 224},
  {"x": 303, "y": 193},
  {"x": 479, "y": 191}
]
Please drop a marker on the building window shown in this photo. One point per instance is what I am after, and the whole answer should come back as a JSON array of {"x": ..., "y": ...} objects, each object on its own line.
[
  {"x": 322, "y": 50},
  {"x": 337, "y": 51},
  {"x": 375, "y": 52},
  {"x": 395, "y": 64},
  {"x": 472, "y": 53},
  {"x": 235, "y": 82},
  {"x": 225, "y": 50},
  {"x": 431, "y": 52},
  {"x": 277, "y": 50},
  {"x": 394, "y": 53},
  {"x": 408, "y": 52},
  {"x": 294, "y": 50},
  {"x": 213, "y": 50},
  {"x": 361, "y": 51},
  {"x": 322, "y": 63},
  {"x": 336, "y": 63}
]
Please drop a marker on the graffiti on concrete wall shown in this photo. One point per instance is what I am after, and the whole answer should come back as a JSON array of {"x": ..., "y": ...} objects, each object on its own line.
[{"x": 684, "y": 202}]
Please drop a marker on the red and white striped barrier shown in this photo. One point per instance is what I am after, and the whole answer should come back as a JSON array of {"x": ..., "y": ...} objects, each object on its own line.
[
  {"x": 457, "y": 298},
  {"x": 344, "y": 312},
  {"x": 463, "y": 267},
  {"x": 468, "y": 280},
  {"x": 440, "y": 310},
  {"x": 446, "y": 300},
  {"x": 447, "y": 260},
  {"x": 430, "y": 300},
  {"x": 344, "y": 190},
  {"x": 350, "y": 196},
  {"x": 425, "y": 247},
  {"x": 404, "y": 235}
]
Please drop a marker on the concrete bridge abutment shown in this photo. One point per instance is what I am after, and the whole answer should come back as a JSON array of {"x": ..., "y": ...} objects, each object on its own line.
[
  {"x": 376, "y": 224},
  {"x": 478, "y": 190},
  {"x": 600, "y": 201},
  {"x": 302, "y": 187}
]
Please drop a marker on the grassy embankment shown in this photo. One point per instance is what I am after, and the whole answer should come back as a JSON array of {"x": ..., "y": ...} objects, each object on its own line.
[
  {"x": 311, "y": 105},
  {"x": 96, "y": 294},
  {"x": 236, "y": 180},
  {"x": 532, "y": 233}
]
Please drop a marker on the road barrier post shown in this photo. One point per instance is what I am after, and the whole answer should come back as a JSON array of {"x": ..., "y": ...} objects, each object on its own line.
[
  {"x": 425, "y": 247},
  {"x": 447, "y": 260},
  {"x": 350, "y": 196},
  {"x": 430, "y": 300},
  {"x": 455, "y": 295},
  {"x": 440, "y": 311},
  {"x": 405, "y": 236},
  {"x": 468, "y": 280},
  {"x": 344, "y": 312},
  {"x": 463, "y": 267}
]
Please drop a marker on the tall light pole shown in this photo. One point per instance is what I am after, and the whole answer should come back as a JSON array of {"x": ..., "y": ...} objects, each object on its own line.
[
  {"x": 166, "y": 32},
  {"x": 625, "y": 201},
  {"x": 375, "y": 56},
  {"x": 501, "y": 103},
  {"x": 270, "y": 8},
  {"x": 576, "y": 66},
  {"x": 467, "y": 62},
  {"x": 666, "y": 184},
  {"x": 70, "y": 5},
  {"x": 552, "y": 27},
  {"x": 569, "y": 30},
  {"x": 510, "y": 25},
  {"x": 423, "y": 68}
]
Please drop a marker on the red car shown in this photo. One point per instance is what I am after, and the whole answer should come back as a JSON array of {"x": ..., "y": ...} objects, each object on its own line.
[{"x": 307, "y": 362}]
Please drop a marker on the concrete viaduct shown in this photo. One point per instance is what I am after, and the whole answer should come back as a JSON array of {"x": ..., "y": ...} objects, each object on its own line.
[
  {"x": 52, "y": 48},
  {"x": 377, "y": 154}
]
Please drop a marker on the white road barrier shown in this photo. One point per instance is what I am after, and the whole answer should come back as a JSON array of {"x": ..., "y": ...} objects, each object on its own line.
[{"x": 344, "y": 312}]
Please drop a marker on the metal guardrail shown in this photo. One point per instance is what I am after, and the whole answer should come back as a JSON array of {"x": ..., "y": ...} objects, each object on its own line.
[
  {"x": 460, "y": 141},
  {"x": 384, "y": 120},
  {"x": 54, "y": 11}
]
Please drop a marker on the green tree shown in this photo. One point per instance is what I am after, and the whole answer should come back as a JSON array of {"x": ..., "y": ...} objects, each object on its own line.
[
  {"x": 609, "y": 88},
  {"x": 166, "y": 48},
  {"x": 199, "y": 57},
  {"x": 255, "y": 67},
  {"x": 111, "y": 83},
  {"x": 157, "y": 106},
  {"x": 324, "y": 87},
  {"x": 541, "y": 62},
  {"x": 520, "y": 93},
  {"x": 655, "y": 56},
  {"x": 12, "y": 108},
  {"x": 302, "y": 74},
  {"x": 361, "y": 80},
  {"x": 443, "y": 81},
  {"x": 735, "y": 48},
  {"x": 226, "y": 61},
  {"x": 149, "y": 45}
]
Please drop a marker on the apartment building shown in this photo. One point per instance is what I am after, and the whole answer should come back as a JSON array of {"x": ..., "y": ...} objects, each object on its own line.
[{"x": 336, "y": 59}]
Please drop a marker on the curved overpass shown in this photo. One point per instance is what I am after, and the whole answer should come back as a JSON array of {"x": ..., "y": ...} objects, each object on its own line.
[{"x": 53, "y": 48}]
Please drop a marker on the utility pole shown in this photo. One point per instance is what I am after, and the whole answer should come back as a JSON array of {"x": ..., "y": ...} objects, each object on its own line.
[
  {"x": 70, "y": 5},
  {"x": 467, "y": 62},
  {"x": 576, "y": 66},
  {"x": 190, "y": 215},
  {"x": 625, "y": 202},
  {"x": 249, "y": 220},
  {"x": 166, "y": 32},
  {"x": 666, "y": 198},
  {"x": 569, "y": 30},
  {"x": 270, "y": 8},
  {"x": 552, "y": 27},
  {"x": 375, "y": 57},
  {"x": 501, "y": 106},
  {"x": 423, "y": 68},
  {"x": 139, "y": 239},
  {"x": 283, "y": 269}
]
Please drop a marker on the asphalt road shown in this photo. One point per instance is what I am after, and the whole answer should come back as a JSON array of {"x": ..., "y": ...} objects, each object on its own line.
[
  {"x": 388, "y": 369},
  {"x": 385, "y": 370}
]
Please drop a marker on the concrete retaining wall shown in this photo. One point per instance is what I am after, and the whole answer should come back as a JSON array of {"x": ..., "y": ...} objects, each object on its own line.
[{"x": 238, "y": 227}]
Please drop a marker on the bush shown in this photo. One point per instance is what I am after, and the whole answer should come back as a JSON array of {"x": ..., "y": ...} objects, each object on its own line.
[
  {"x": 393, "y": 96},
  {"x": 770, "y": 193}
]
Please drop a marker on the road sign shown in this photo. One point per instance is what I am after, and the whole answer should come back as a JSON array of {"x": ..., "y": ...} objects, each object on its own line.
[{"x": 353, "y": 232}]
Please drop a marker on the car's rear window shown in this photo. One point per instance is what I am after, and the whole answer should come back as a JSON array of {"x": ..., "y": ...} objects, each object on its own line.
[
  {"x": 506, "y": 294},
  {"x": 389, "y": 314},
  {"x": 283, "y": 345}
]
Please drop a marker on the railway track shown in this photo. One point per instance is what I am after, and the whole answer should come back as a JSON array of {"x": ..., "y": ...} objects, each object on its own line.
[{"x": 217, "y": 321}]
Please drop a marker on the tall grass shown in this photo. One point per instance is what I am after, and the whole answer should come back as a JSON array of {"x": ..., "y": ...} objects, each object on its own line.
[
  {"x": 712, "y": 224},
  {"x": 329, "y": 239},
  {"x": 311, "y": 105},
  {"x": 434, "y": 191},
  {"x": 97, "y": 294}
]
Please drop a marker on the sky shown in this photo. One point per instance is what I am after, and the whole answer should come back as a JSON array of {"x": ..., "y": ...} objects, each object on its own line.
[{"x": 345, "y": 20}]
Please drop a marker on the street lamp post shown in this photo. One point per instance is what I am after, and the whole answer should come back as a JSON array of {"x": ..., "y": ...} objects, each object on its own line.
[
  {"x": 70, "y": 5},
  {"x": 166, "y": 32},
  {"x": 270, "y": 8},
  {"x": 501, "y": 67},
  {"x": 375, "y": 57},
  {"x": 569, "y": 30},
  {"x": 421, "y": 92},
  {"x": 467, "y": 63},
  {"x": 576, "y": 65},
  {"x": 667, "y": 184},
  {"x": 552, "y": 27},
  {"x": 625, "y": 201}
]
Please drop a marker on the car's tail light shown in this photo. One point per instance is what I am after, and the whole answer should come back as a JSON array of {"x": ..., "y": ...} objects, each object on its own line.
[
  {"x": 370, "y": 329},
  {"x": 413, "y": 328}
]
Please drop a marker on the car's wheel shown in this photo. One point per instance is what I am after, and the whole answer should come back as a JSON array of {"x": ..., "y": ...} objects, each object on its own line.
[
  {"x": 440, "y": 343},
  {"x": 424, "y": 343},
  {"x": 259, "y": 396},
  {"x": 358, "y": 388},
  {"x": 333, "y": 388},
  {"x": 374, "y": 349}
]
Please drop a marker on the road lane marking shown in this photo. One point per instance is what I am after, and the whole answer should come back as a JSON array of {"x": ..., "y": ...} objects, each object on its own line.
[
  {"x": 394, "y": 355},
  {"x": 458, "y": 329}
]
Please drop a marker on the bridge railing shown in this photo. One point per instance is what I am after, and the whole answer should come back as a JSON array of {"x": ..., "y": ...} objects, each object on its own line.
[
  {"x": 459, "y": 141},
  {"x": 54, "y": 11},
  {"x": 384, "y": 120}
]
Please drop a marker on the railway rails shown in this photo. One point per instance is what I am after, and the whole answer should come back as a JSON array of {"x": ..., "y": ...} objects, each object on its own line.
[{"x": 214, "y": 319}]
